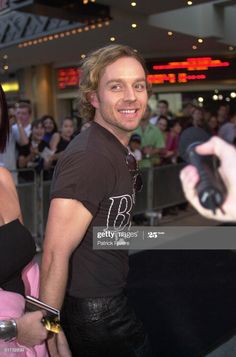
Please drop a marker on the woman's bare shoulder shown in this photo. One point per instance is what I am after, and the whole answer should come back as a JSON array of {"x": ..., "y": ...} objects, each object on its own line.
[
  {"x": 6, "y": 178},
  {"x": 9, "y": 202}
]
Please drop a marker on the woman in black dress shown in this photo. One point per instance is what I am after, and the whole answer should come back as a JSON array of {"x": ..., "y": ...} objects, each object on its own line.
[{"x": 17, "y": 249}]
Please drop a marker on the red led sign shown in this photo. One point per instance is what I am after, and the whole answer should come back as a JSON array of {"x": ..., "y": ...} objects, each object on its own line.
[
  {"x": 190, "y": 69},
  {"x": 174, "y": 78},
  {"x": 194, "y": 64},
  {"x": 68, "y": 78}
]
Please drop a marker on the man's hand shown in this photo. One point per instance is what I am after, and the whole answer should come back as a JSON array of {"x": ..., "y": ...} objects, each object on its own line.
[
  {"x": 189, "y": 177},
  {"x": 62, "y": 345},
  {"x": 58, "y": 346},
  {"x": 30, "y": 330}
]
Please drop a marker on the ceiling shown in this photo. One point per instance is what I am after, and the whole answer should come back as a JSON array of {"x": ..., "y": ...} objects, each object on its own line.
[{"x": 213, "y": 21}]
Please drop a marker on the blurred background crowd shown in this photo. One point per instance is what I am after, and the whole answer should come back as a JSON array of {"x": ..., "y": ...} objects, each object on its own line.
[{"x": 38, "y": 142}]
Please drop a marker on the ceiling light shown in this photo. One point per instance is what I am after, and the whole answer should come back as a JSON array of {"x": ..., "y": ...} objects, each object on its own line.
[
  {"x": 189, "y": 3},
  {"x": 83, "y": 56},
  {"x": 5, "y": 57},
  {"x": 194, "y": 47},
  {"x": 200, "y": 40},
  {"x": 5, "y": 67},
  {"x": 134, "y": 26},
  {"x": 200, "y": 99},
  {"x": 215, "y": 97},
  {"x": 112, "y": 39},
  {"x": 221, "y": 97},
  {"x": 230, "y": 48},
  {"x": 233, "y": 95},
  {"x": 170, "y": 33},
  {"x": 133, "y": 3},
  {"x": 227, "y": 99}
]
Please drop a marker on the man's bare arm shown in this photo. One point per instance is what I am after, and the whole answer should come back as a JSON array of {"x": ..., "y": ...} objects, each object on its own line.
[{"x": 68, "y": 221}]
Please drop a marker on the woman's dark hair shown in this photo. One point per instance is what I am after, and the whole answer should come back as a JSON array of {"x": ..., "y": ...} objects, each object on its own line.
[
  {"x": 36, "y": 122},
  {"x": 45, "y": 117},
  {"x": 173, "y": 122},
  {"x": 4, "y": 121}
]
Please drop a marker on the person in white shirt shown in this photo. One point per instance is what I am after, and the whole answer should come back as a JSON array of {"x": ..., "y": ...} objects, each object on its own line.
[
  {"x": 163, "y": 110},
  {"x": 17, "y": 134},
  {"x": 23, "y": 118},
  {"x": 135, "y": 146}
]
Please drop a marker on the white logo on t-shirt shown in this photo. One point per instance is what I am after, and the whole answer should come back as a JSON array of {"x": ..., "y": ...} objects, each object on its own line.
[{"x": 121, "y": 219}]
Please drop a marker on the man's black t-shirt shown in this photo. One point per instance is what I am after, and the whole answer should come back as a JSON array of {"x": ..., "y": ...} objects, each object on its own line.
[{"x": 93, "y": 171}]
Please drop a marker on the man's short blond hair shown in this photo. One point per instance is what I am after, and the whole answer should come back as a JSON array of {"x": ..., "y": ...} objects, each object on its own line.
[{"x": 92, "y": 69}]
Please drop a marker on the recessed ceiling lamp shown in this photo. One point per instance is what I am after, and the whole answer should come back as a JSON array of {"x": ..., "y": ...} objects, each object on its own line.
[
  {"x": 200, "y": 40},
  {"x": 170, "y": 33},
  {"x": 133, "y": 3},
  {"x": 134, "y": 26},
  {"x": 194, "y": 47},
  {"x": 83, "y": 56},
  {"x": 189, "y": 3},
  {"x": 112, "y": 39},
  {"x": 230, "y": 48}
]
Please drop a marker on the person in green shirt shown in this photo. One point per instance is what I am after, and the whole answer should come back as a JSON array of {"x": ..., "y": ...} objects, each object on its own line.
[{"x": 152, "y": 142}]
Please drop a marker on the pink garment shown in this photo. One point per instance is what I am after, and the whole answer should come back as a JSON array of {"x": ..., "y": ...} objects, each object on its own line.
[
  {"x": 12, "y": 305},
  {"x": 172, "y": 142}
]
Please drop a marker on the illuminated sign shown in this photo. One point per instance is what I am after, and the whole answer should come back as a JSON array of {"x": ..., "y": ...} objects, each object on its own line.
[
  {"x": 191, "y": 69},
  {"x": 11, "y": 86},
  {"x": 68, "y": 78}
]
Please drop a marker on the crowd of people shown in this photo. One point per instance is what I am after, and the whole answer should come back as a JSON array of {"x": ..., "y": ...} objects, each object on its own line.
[
  {"x": 36, "y": 143},
  {"x": 155, "y": 142},
  {"x": 39, "y": 143}
]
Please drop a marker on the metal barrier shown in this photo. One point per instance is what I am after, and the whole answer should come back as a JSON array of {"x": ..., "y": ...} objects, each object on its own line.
[
  {"x": 167, "y": 189},
  {"x": 143, "y": 198},
  {"x": 161, "y": 189},
  {"x": 28, "y": 197}
]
